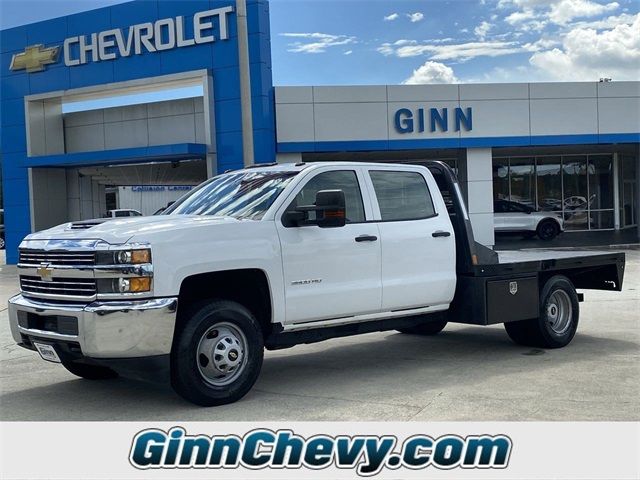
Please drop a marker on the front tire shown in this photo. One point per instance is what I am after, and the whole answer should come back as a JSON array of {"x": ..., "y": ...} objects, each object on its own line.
[
  {"x": 558, "y": 321},
  {"x": 89, "y": 372},
  {"x": 547, "y": 230},
  {"x": 217, "y": 355}
]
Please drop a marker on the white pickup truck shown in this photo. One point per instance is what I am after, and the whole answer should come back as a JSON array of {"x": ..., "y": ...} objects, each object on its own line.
[{"x": 280, "y": 255}]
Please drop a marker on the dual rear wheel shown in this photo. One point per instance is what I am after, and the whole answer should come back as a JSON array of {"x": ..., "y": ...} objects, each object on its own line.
[{"x": 558, "y": 320}]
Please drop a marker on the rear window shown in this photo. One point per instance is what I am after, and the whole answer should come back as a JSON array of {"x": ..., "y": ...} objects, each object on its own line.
[{"x": 402, "y": 195}]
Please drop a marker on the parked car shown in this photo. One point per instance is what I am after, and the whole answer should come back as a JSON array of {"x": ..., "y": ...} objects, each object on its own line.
[
  {"x": 276, "y": 256},
  {"x": 2, "y": 243},
  {"x": 123, "y": 212},
  {"x": 514, "y": 217}
]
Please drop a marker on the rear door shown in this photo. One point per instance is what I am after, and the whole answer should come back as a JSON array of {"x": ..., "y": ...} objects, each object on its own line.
[
  {"x": 418, "y": 244},
  {"x": 331, "y": 273}
]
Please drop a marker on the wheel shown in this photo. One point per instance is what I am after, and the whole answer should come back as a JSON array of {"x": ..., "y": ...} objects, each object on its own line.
[
  {"x": 217, "y": 355},
  {"x": 2, "y": 244},
  {"x": 547, "y": 230},
  {"x": 90, "y": 372},
  {"x": 428, "y": 328},
  {"x": 558, "y": 320}
]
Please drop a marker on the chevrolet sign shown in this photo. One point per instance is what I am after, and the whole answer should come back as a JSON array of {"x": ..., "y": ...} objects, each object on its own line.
[{"x": 164, "y": 34}]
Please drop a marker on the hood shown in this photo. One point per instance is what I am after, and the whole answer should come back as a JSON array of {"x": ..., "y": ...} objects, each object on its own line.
[{"x": 120, "y": 230}]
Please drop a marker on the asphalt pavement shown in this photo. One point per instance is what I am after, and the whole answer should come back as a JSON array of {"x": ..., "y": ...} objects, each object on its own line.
[{"x": 464, "y": 373}]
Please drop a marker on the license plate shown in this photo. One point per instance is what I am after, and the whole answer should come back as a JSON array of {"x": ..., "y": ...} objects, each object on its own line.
[{"x": 47, "y": 352}]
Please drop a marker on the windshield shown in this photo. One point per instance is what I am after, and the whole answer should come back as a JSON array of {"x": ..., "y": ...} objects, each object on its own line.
[{"x": 242, "y": 195}]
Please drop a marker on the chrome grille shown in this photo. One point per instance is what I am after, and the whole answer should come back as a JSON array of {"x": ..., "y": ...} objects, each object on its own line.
[
  {"x": 36, "y": 257},
  {"x": 76, "y": 287}
]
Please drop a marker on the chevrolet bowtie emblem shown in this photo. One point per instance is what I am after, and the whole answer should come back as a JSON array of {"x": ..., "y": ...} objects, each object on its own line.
[
  {"x": 34, "y": 58},
  {"x": 45, "y": 272}
]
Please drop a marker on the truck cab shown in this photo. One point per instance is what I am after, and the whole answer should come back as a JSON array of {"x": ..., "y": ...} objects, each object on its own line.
[{"x": 274, "y": 256}]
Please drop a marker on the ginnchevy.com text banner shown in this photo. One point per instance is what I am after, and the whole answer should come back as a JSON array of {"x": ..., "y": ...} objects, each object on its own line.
[{"x": 111, "y": 450}]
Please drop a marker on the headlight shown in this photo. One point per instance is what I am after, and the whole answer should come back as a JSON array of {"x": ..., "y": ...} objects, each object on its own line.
[
  {"x": 124, "y": 285},
  {"x": 124, "y": 257},
  {"x": 132, "y": 256}
]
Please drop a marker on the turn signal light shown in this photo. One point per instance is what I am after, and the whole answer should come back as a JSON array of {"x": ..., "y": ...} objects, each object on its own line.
[
  {"x": 140, "y": 284},
  {"x": 141, "y": 256}
]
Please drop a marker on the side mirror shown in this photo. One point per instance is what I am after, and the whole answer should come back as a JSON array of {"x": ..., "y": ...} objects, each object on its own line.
[{"x": 330, "y": 209}]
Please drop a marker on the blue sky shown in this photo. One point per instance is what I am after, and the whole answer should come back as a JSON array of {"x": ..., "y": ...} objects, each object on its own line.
[{"x": 324, "y": 42}]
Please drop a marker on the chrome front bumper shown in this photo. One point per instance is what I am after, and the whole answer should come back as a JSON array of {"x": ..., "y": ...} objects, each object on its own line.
[{"x": 106, "y": 329}]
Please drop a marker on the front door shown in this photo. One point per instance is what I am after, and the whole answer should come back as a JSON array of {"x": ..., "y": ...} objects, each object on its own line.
[{"x": 331, "y": 273}]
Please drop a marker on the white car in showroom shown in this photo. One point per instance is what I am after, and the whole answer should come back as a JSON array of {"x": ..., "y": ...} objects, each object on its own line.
[{"x": 514, "y": 217}]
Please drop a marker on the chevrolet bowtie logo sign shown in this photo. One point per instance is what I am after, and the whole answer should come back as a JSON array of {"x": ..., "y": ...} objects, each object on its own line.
[
  {"x": 45, "y": 272},
  {"x": 34, "y": 58}
]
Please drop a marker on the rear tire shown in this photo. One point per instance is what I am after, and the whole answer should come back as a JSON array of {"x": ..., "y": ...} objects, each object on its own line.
[
  {"x": 428, "y": 328},
  {"x": 547, "y": 230},
  {"x": 217, "y": 355},
  {"x": 558, "y": 320},
  {"x": 90, "y": 372}
]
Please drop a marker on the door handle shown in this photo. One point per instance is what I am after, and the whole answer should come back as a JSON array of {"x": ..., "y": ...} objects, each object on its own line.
[
  {"x": 366, "y": 238},
  {"x": 441, "y": 233}
]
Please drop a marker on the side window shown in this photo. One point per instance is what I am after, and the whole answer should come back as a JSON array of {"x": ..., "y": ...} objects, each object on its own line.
[
  {"x": 345, "y": 180},
  {"x": 122, "y": 214},
  {"x": 402, "y": 195}
]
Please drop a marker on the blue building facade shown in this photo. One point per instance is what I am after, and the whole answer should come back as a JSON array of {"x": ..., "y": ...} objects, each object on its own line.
[{"x": 105, "y": 64}]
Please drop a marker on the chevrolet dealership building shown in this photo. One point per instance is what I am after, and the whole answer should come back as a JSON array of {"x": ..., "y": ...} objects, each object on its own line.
[{"x": 568, "y": 147}]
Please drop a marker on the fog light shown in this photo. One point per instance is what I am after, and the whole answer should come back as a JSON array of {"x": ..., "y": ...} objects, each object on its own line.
[{"x": 139, "y": 284}]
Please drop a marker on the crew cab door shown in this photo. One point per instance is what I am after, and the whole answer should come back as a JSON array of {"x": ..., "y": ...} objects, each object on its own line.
[
  {"x": 331, "y": 272},
  {"x": 418, "y": 244}
]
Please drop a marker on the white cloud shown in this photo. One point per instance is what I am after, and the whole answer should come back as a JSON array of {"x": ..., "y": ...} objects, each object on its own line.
[
  {"x": 541, "y": 44},
  {"x": 566, "y": 10},
  {"x": 348, "y": 52},
  {"x": 535, "y": 15},
  {"x": 415, "y": 17},
  {"x": 482, "y": 29},
  {"x": 460, "y": 52},
  {"x": 316, "y": 42},
  {"x": 391, "y": 18},
  {"x": 586, "y": 54},
  {"x": 606, "y": 22},
  {"x": 431, "y": 72}
]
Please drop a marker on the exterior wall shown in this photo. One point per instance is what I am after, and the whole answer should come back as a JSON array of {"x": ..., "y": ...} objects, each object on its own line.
[
  {"x": 476, "y": 173},
  {"x": 160, "y": 123},
  {"x": 318, "y": 119}
]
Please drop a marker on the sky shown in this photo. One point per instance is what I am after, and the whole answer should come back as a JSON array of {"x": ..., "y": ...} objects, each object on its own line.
[{"x": 356, "y": 42}]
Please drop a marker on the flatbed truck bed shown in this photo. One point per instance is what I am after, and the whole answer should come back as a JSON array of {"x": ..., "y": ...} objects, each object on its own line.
[{"x": 501, "y": 287}]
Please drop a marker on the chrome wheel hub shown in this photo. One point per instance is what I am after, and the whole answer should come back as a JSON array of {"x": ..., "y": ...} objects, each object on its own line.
[
  {"x": 221, "y": 354},
  {"x": 559, "y": 312}
]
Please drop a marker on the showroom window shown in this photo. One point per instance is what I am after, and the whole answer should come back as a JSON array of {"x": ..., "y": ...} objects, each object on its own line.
[
  {"x": 628, "y": 188},
  {"x": 579, "y": 186}
]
